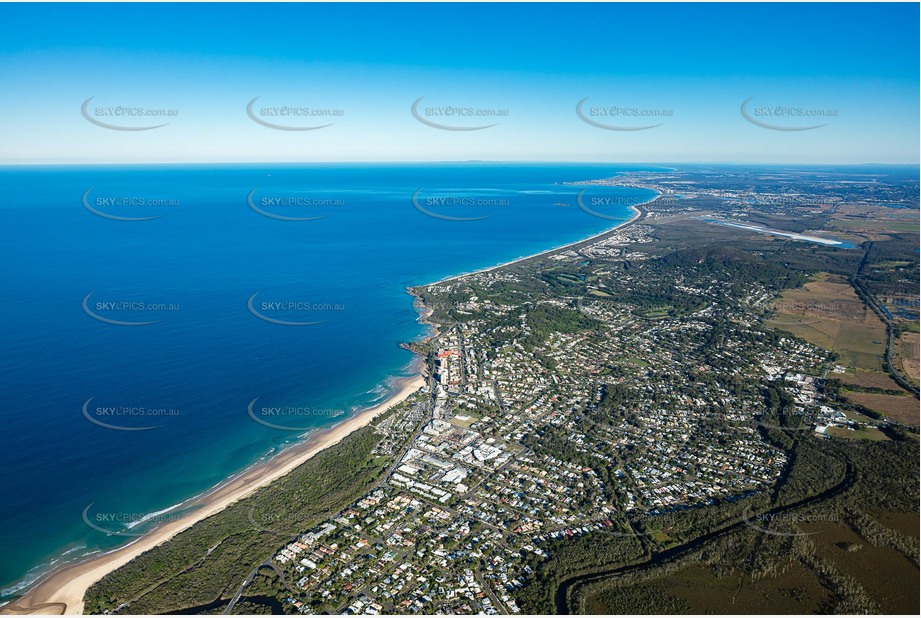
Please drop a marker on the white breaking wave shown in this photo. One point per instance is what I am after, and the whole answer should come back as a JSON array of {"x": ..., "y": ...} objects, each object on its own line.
[{"x": 150, "y": 516}]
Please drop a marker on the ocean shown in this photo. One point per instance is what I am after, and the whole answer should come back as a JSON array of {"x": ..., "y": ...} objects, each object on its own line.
[{"x": 166, "y": 327}]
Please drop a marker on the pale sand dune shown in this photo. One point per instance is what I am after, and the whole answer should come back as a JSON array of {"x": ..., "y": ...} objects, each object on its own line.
[{"x": 62, "y": 592}]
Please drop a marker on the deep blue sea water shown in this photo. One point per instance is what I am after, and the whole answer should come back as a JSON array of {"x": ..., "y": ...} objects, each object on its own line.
[{"x": 70, "y": 268}]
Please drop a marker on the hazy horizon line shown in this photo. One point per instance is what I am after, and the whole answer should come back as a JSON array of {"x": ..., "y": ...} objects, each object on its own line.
[{"x": 460, "y": 161}]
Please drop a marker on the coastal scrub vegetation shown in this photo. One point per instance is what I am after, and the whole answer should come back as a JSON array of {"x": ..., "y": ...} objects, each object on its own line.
[{"x": 201, "y": 568}]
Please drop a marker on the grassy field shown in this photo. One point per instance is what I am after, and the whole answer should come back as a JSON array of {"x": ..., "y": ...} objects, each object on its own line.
[
  {"x": 468, "y": 420},
  {"x": 872, "y": 221},
  {"x": 871, "y": 379},
  {"x": 827, "y": 312},
  {"x": 655, "y": 313},
  {"x": 901, "y": 408},
  {"x": 856, "y": 434},
  {"x": 905, "y": 356},
  {"x": 854, "y": 415},
  {"x": 884, "y": 225}
]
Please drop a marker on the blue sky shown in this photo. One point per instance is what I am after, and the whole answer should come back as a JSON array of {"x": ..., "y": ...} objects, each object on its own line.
[{"x": 688, "y": 67}]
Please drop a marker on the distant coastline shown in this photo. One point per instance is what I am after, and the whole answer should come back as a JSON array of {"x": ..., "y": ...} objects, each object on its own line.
[
  {"x": 639, "y": 211},
  {"x": 61, "y": 591}
]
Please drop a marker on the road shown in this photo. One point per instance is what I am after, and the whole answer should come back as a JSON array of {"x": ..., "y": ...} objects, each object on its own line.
[
  {"x": 268, "y": 561},
  {"x": 870, "y": 300}
]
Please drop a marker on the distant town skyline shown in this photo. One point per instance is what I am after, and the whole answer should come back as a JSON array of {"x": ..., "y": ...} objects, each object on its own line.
[{"x": 655, "y": 83}]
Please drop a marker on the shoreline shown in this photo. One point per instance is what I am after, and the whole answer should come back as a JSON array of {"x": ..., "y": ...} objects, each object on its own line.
[
  {"x": 639, "y": 211},
  {"x": 62, "y": 591}
]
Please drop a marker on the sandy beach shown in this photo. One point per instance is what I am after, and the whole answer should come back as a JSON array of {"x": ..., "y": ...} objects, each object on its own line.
[
  {"x": 637, "y": 213},
  {"x": 62, "y": 591}
]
